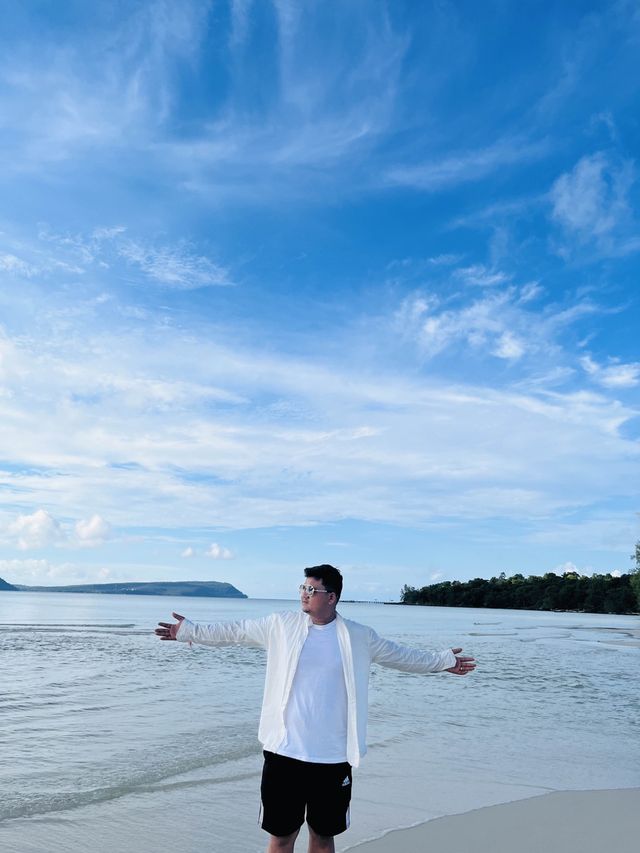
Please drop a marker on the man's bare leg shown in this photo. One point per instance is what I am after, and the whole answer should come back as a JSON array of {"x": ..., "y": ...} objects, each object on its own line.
[
  {"x": 320, "y": 843},
  {"x": 282, "y": 843}
]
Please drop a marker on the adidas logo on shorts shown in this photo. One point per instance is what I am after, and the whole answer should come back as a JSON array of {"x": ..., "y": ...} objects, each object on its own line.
[{"x": 345, "y": 782}]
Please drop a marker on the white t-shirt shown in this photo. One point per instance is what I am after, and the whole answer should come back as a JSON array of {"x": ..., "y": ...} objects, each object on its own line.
[{"x": 316, "y": 714}]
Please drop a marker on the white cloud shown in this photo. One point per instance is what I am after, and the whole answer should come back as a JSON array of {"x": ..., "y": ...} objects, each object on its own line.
[
  {"x": 565, "y": 567},
  {"x": 93, "y": 531},
  {"x": 466, "y": 166},
  {"x": 217, "y": 552},
  {"x": 499, "y": 323},
  {"x": 112, "y": 88},
  {"x": 240, "y": 21},
  {"x": 24, "y": 571},
  {"x": 108, "y": 233},
  {"x": 17, "y": 266},
  {"x": 42, "y": 572},
  {"x": 175, "y": 267},
  {"x": 37, "y": 530},
  {"x": 593, "y": 530},
  {"x": 530, "y": 291},
  {"x": 478, "y": 274},
  {"x": 372, "y": 443},
  {"x": 482, "y": 324},
  {"x": 509, "y": 347},
  {"x": 188, "y": 552},
  {"x": 445, "y": 260},
  {"x": 327, "y": 108},
  {"x": 591, "y": 201},
  {"x": 613, "y": 375}
]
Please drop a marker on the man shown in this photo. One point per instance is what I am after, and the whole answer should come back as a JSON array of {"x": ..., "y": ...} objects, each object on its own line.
[{"x": 314, "y": 710}]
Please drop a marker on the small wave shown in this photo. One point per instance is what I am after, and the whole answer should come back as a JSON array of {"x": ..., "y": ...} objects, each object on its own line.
[
  {"x": 492, "y": 633},
  {"x": 155, "y": 779}
]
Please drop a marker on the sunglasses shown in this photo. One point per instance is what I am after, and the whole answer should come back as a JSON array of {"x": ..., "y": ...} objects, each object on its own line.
[{"x": 311, "y": 590}]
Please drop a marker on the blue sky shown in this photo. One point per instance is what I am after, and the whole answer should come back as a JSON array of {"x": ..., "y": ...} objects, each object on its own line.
[{"x": 284, "y": 283}]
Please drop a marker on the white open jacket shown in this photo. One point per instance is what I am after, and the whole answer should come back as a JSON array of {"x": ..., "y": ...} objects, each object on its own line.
[{"x": 283, "y": 636}]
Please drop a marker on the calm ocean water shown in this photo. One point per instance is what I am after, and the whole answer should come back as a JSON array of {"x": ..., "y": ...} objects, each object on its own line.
[{"x": 114, "y": 741}]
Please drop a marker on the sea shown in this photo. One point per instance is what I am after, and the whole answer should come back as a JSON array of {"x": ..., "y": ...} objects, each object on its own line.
[{"x": 114, "y": 741}]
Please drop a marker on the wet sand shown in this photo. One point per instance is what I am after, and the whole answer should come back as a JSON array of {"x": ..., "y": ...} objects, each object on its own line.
[{"x": 560, "y": 822}]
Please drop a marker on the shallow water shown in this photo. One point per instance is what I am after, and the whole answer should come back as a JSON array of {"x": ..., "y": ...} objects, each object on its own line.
[{"x": 113, "y": 740}]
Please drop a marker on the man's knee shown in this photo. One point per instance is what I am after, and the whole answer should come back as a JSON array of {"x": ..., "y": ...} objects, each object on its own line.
[
  {"x": 282, "y": 842},
  {"x": 321, "y": 842}
]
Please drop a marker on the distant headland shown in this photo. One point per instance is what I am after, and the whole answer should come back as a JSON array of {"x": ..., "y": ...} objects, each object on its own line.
[{"x": 202, "y": 589}]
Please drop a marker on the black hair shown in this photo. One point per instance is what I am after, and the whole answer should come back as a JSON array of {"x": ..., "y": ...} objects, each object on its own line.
[{"x": 328, "y": 575}]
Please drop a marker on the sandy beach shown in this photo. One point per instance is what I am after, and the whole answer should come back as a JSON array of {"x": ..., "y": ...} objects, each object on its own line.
[{"x": 560, "y": 822}]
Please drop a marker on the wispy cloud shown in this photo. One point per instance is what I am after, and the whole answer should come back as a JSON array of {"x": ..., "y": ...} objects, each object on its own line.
[
  {"x": 531, "y": 291},
  {"x": 37, "y": 572},
  {"x": 120, "y": 94},
  {"x": 174, "y": 266},
  {"x": 12, "y": 264},
  {"x": 591, "y": 203},
  {"x": 445, "y": 260},
  {"x": 240, "y": 22},
  {"x": 614, "y": 374},
  {"x": 502, "y": 323},
  {"x": 594, "y": 532},
  {"x": 478, "y": 274},
  {"x": 327, "y": 112},
  {"x": 113, "y": 88},
  {"x": 466, "y": 166},
  {"x": 509, "y": 347},
  {"x": 33, "y": 571},
  {"x": 371, "y": 446}
]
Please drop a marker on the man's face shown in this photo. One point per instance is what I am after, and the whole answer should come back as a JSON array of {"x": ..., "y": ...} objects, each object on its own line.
[{"x": 321, "y": 605}]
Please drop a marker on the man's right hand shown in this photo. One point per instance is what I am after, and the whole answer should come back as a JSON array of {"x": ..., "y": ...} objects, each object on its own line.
[{"x": 169, "y": 630}]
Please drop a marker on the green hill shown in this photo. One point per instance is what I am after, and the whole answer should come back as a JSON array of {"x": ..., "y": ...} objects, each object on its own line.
[{"x": 205, "y": 589}]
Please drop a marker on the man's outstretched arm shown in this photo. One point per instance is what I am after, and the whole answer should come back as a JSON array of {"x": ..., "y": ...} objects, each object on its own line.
[
  {"x": 246, "y": 632},
  {"x": 410, "y": 659}
]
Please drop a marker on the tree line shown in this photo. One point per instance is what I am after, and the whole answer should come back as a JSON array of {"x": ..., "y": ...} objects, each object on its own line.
[{"x": 571, "y": 591}]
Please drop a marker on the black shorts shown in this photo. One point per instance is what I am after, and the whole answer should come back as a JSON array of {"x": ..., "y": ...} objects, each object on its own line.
[{"x": 290, "y": 788}]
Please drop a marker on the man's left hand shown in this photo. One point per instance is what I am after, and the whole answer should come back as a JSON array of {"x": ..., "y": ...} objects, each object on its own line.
[{"x": 464, "y": 665}]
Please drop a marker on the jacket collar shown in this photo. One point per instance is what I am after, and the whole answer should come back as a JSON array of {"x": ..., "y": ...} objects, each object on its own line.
[{"x": 309, "y": 622}]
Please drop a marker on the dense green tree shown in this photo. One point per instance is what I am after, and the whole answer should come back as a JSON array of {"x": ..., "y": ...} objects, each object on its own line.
[
  {"x": 408, "y": 594},
  {"x": 620, "y": 597},
  {"x": 594, "y": 602},
  {"x": 571, "y": 591},
  {"x": 635, "y": 576}
]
